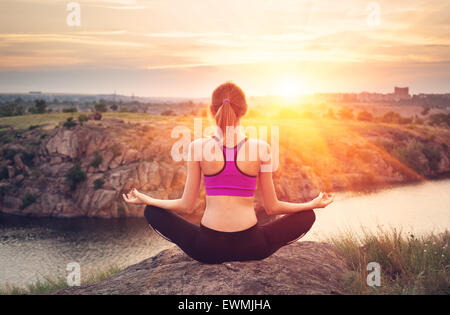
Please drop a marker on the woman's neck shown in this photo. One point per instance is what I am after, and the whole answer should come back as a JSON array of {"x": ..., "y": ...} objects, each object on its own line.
[{"x": 232, "y": 137}]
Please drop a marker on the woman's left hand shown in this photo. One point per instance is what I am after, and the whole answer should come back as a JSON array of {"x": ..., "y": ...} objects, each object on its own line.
[
  {"x": 132, "y": 197},
  {"x": 323, "y": 200}
]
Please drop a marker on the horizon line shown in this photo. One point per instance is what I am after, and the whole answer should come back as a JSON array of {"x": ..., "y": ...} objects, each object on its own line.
[{"x": 37, "y": 92}]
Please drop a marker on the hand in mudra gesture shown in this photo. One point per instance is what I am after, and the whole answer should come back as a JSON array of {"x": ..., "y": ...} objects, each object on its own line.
[
  {"x": 323, "y": 200},
  {"x": 132, "y": 198}
]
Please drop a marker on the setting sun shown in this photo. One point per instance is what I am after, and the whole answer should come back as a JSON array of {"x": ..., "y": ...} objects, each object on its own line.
[{"x": 289, "y": 88}]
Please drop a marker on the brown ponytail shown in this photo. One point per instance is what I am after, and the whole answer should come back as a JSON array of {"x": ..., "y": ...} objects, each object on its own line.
[
  {"x": 228, "y": 105},
  {"x": 225, "y": 116}
]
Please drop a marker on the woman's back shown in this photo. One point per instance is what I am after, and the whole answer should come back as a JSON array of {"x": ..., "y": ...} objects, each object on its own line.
[
  {"x": 230, "y": 174},
  {"x": 229, "y": 230}
]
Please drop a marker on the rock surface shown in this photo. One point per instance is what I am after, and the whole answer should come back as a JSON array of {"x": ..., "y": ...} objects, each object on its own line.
[{"x": 299, "y": 268}]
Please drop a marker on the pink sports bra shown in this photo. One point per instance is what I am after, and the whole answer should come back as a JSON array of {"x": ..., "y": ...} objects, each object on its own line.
[{"x": 230, "y": 180}]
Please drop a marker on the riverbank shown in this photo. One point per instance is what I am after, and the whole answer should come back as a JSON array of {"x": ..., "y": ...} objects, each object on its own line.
[
  {"x": 409, "y": 265},
  {"x": 80, "y": 168},
  {"x": 32, "y": 247}
]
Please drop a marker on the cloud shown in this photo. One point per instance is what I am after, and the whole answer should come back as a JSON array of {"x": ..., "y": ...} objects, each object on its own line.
[
  {"x": 180, "y": 34},
  {"x": 73, "y": 38},
  {"x": 187, "y": 34}
]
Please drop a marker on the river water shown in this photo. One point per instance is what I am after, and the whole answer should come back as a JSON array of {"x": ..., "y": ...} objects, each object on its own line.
[
  {"x": 416, "y": 209},
  {"x": 32, "y": 248}
]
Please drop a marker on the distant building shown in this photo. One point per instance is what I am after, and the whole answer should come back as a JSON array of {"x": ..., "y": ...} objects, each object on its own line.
[
  {"x": 35, "y": 92},
  {"x": 401, "y": 93}
]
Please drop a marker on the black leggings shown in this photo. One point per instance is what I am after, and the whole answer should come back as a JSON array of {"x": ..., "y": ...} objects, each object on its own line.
[{"x": 212, "y": 247}]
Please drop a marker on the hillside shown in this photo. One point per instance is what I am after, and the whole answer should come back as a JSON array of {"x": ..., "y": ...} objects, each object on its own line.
[{"x": 68, "y": 170}]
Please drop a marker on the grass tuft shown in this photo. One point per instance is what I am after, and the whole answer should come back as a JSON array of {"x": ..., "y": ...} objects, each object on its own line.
[
  {"x": 51, "y": 284},
  {"x": 409, "y": 264}
]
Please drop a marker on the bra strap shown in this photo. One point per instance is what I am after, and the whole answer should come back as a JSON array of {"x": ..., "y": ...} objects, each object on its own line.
[
  {"x": 240, "y": 144},
  {"x": 235, "y": 149}
]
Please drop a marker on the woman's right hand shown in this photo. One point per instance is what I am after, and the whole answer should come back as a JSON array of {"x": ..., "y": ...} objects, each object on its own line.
[
  {"x": 323, "y": 200},
  {"x": 131, "y": 198}
]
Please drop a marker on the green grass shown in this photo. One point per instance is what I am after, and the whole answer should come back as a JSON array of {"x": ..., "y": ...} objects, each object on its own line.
[
  {"x": 52, "y": 119},
  {"x": 25, "y": 121},
  {"x": 409, "y": 264},
  {"x": 50, "y": 284}
]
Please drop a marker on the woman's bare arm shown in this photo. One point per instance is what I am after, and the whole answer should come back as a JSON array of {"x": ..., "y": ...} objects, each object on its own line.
[
  {"x": 273, "y": 206},
  {"x": 186, "y": 203}
]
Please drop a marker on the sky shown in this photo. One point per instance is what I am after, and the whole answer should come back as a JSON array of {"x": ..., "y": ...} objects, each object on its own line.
[{"x": 187, "y": 48}]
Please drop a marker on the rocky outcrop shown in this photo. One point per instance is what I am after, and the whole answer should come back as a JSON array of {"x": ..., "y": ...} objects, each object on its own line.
[
  {"x": 299, "y": 268},
  {"x": 124, "y": 162},
  {"x": 115, "y": 156}
]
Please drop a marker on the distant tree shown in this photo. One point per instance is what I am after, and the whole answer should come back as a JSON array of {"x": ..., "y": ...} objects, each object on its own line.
[
  {"x": 307, "y": 115},
  {"x": 8, "y": 154},
  {"x": 82, "y": 118},
  {"x": 28, "y": 158},
  {"x": 442, "y": 120},
  {"x": 18, "y": 100},
  {"x": 75, "y": 175},
  {"x": 28, "y": 200},
  {"x": 98, "y": 183},
  {"x": 432, "y": 152},
  {"x": 97, "y": 160},
  {"x": 168, "y": 112},
  {"x": 346, "y": 113},
  {"x": 71, "y": 109},
  {"x": 4, "y": 174},
  {"x": 18, "y": 109},
  {"x": 391, "y": 118},
  {"x": 418, "y": 120},
  {"x": 329, "y": 114},
  {"x": 114, "y": 107},
  {"x": 101, "y": 107},
  {"x": 11, "y": 109},
  {"x": 41, "y": 106},
  {"x": 425, "y": 110},
  {"x": 364, "y": 116},
  {"x": 69, "y": 123}
]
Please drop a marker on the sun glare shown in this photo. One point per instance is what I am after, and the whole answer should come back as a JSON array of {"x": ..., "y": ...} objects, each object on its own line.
[{"x": 289, "y": 88}]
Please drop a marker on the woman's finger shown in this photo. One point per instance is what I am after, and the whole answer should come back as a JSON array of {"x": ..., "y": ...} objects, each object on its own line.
[{"x": 330, "y": 200}]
